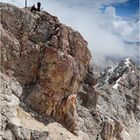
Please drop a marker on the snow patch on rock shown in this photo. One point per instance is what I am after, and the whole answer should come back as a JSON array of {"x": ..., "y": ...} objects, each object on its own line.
[
  {"x": 127, "y": 62},
  {"x": 115, "y": 86}
]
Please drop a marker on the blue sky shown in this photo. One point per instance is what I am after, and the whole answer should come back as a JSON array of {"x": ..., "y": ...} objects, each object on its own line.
[
  {"x": 107, "y": 32},
  {"x": 127, "y": 9}
]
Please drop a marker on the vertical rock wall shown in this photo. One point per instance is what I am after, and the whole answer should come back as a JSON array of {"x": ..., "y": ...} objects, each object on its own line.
[{"x": 46, "y": 56}]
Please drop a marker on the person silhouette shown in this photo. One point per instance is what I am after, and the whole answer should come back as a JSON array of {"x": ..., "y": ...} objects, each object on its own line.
[
  {"x": 33, "y": 8},
  {"x": 38, "y": 6}
]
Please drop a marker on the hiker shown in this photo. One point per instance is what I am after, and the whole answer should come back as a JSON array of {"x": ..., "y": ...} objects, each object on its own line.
[
  {"x": 38, "y": 6},
  {"x": 33, "y": 8}
]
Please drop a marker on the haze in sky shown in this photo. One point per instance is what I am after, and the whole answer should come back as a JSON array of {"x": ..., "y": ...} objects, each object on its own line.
[{"x": 111, "y": 27}]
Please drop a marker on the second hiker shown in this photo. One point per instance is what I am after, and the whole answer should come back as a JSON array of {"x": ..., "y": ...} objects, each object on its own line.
[{"x": 38, "y": 6}]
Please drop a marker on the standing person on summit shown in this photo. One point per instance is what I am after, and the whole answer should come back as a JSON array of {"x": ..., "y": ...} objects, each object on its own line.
[{"x": 38, "y": 6}]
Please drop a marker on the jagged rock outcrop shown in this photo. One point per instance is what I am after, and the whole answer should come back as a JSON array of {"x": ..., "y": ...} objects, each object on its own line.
[
  {"x": 124, "y": 79},
  {"x": 119, "y": 98},
  {"x": 17, "y": 123},
  {"x": 113, "y": 113},
  {"x": 46, "y": 57},
  {"x": 88, "y": 94}
]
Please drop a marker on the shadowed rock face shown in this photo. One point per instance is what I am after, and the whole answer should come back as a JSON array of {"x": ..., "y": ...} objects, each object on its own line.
[
  {"x": 109, "y": 104},
  {"x": 119, "y": 99},
  {"x": 88, "y": 94},
  {"x": 46, "y": 56}
]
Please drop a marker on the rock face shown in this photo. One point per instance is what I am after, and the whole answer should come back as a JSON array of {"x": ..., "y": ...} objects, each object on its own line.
[
  {"x": 19, "y": 124},
  {"x": 88, "y": 94},
  {"x": 46, "y": 57},
  {"x": 123, "y": 81},
  {"x": 119, "y": 100},
  {"x": 109, "y": 108}
]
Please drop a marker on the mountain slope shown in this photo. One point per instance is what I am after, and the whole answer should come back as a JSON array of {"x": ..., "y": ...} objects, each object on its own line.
[
  {"x": 120, "y": 98},
  {"x": 49, "y": 61},
  {"x": 111, "y": 103}
]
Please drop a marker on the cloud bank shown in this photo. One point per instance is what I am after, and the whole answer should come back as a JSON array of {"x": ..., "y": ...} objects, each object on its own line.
[{"x": 108, "y": 35}]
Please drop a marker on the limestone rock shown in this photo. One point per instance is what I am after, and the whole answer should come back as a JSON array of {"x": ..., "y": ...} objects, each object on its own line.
[
  {"x": 18, "y": 123},
  {"x": 119, "y": 97},
  {"x": 88, "y": 94},
  {"x": 46, "y": 56}
]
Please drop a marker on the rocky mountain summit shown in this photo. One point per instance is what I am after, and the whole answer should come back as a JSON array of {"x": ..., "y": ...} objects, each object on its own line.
[{"x": 49, "y": 91}]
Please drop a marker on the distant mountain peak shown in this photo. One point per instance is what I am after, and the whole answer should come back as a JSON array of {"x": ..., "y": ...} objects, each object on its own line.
[
  {"x": 127, "y": 62},
  {"x": 117, "y": 74}
]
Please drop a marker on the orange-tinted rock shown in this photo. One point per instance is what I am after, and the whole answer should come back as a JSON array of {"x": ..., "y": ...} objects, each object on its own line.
[{"x": 48, "y": 57}]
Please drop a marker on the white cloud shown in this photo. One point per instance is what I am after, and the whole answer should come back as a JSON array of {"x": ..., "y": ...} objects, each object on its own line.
[
  {"x": 126, "y": 29},
  {"x": 108, "y": 2},
  {"x": 105, "y": 33},
  {"x": 111, "y": 12}
]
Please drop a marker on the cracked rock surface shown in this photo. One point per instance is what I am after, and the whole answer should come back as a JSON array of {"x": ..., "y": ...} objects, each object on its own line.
[{"x": 48, "y": 60}]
